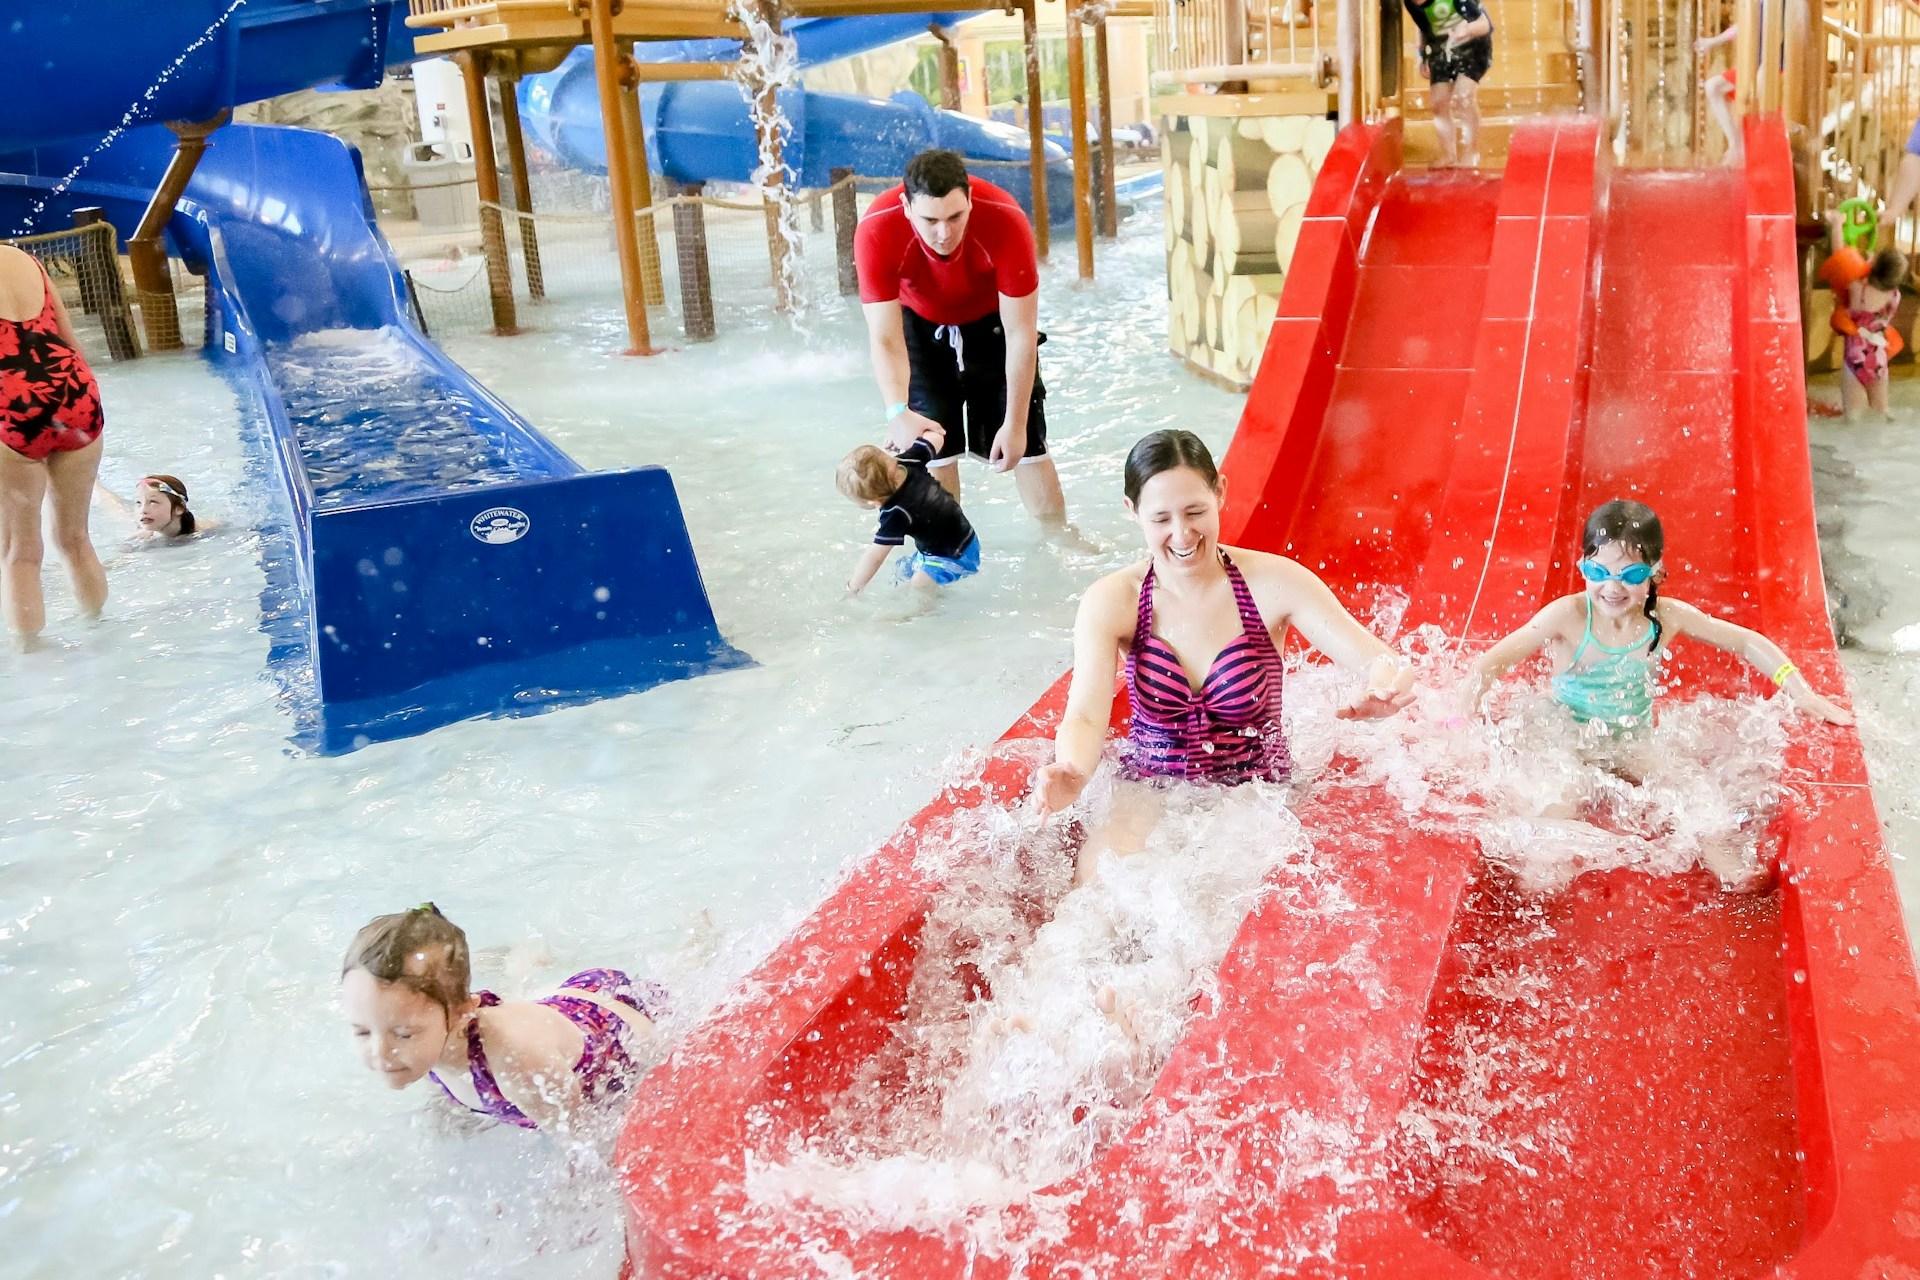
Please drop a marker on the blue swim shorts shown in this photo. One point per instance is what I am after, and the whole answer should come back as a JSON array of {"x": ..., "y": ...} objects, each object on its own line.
[{"x": 943, "y": 569}]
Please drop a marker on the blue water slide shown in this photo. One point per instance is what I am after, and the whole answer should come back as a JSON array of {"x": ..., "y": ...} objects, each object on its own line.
[
  {"x": 78, "y": 68},
  {"x": 700, "y": 131},
  {"x": 453, "y": 562}
]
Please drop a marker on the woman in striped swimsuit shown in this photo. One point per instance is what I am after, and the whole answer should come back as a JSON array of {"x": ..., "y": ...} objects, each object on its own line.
[{"x": 1195, "y": 606}]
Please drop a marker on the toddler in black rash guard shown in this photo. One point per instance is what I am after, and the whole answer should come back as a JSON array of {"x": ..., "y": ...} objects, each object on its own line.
[{"x": 912, "y": 504}]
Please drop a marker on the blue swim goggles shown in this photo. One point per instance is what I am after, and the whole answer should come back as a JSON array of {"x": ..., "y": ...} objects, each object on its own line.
[{"x": 1633, "y": 575}]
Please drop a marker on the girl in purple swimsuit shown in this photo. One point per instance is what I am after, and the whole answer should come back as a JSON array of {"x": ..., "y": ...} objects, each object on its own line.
[
  {"x": 531, "y": 1063},
  {"x": 1195, "y": 606}
]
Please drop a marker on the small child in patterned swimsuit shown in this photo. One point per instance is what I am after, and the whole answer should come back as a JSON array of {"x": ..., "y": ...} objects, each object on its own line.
[{"x": 531, "y": 1063}]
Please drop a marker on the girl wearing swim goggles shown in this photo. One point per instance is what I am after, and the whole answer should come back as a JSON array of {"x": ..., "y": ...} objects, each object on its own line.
[
  {"x": 1606, "y": 642},
  {"x": 1633, "y": 575}
]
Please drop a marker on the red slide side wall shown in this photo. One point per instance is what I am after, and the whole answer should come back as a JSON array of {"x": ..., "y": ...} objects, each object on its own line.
[
  {"x": 1851, "y": 983},
  {"x": 1259, "y": 1150}
]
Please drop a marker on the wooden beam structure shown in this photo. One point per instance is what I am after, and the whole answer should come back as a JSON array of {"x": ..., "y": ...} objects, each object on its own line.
[
  {"x": 522, "y": 185},
  {"x": 1036, "y": 131},
  {"x": 1077, "y": 131},
  {"x": 641, "y": 177},
  {"x": 626, "y": 239},
  {"x": 1109, "y": 196},
  {"x": 520, "y": 37},
  {"x": 486, "y": 176}
]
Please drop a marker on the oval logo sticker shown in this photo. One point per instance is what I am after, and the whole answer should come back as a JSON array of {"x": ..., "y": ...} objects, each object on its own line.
[{"x": 500, "y": 525}]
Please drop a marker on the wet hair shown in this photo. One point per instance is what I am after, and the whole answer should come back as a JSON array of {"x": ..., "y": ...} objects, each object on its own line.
[
  {"x": 1888, "y": 270},
  {"x": 866, "y": 475},
  {"x": 1634, "y": 526},
  {"x": 935, "y": 173},
  {"x": 419, "y": 949},
  {"x": 1167, "y": 451},
  {"x": 175, "y": 490}
]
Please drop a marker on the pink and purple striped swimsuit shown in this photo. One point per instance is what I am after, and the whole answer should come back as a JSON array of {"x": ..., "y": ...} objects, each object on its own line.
[
  {"x": 604, "y": 1066},
  {"x": 1227, "y": 732}
]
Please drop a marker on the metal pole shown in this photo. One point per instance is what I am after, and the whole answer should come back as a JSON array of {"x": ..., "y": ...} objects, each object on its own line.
[
  {"x": 522, "y": 186},
  {"x": 1082, "y": 161},
  {"x": 626, "y": 240},
  {"x": 486, "y": 177},
  {"x": 1036, "y": 132}
]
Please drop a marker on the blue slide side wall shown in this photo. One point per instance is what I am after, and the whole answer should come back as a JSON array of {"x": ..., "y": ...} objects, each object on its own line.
[{"x": 422, "y": 612}]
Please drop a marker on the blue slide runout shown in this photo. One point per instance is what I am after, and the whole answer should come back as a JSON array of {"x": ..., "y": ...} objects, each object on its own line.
[
  {"x": 448, "y": 561},
  {"x": 453, "y": 561}
]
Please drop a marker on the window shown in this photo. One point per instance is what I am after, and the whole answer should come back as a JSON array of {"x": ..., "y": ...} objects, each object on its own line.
[{"x": 1007, "y": 71}]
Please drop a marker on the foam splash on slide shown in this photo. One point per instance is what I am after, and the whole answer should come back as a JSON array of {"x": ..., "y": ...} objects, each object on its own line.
[
  {"x": 981, "y": 1103},
  {"x": 972, "y": 1122},
  {"x": 1548, "y": 799}
]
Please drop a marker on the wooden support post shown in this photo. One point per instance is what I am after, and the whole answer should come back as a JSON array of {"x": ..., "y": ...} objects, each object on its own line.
[
  {"x": 690, "y": 250},
  {"x": 949, "y": 68},
  {"x": 846, "y": 218},
  {"x": 147, "y": 251},
  {"x": 626, "y": 239},
  {"x": 767, "y": 142},
  {"x": 1109, "y": 197},
  {"x": 1077, "y": 129},
  {"x": 522, "y": 186},
  {"x": 100, "y": 292},
  {"x": 1036, "y": 132},
  {"x": 642, "y": 178},
  {"x": 486, "y": 177}
]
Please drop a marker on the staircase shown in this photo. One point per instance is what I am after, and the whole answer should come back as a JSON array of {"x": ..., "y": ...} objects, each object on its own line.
[{"x": 1534, "y": 73}]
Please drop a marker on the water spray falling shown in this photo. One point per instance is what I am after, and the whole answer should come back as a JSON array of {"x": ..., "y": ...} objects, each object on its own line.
[
  {"x": 133, "y": 113},
  {"x": 769, "y": 63}
]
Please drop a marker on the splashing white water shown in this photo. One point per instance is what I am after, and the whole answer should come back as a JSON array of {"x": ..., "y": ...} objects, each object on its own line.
[
  {"x": 769, "y": 64},
  {"x": 1548, "y": 798},
  {"x": 1039, "y": 1015}
]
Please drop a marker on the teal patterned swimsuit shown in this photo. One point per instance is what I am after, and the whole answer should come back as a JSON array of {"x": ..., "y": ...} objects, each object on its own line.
[{"x": 1615, "y": 689}]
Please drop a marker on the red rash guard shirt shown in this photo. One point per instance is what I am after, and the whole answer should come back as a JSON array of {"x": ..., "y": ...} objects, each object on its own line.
[{"x": 995, "y": 257}]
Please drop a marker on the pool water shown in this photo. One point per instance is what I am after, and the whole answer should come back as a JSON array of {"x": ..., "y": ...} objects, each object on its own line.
[
  {"x": 178, "y": 1094},
  {"x": 338, "y": 382}
]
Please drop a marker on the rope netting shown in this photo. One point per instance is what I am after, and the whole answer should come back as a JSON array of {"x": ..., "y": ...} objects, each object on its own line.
[
  {"x": 564, "y": 253},
  {"x": 106, "y": 310}
]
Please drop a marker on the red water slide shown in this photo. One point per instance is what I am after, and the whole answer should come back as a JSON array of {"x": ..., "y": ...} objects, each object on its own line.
[{"x": 1704, "y": 1085}]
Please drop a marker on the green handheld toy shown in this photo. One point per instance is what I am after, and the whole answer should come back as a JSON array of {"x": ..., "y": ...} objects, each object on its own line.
[{"x": 1859, "y": 225}]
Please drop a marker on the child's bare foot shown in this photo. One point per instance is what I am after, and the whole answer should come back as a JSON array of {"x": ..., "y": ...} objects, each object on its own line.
[
  {"x": 1010, "y": 1024},
  {"x": 1118, "y": 1011}
]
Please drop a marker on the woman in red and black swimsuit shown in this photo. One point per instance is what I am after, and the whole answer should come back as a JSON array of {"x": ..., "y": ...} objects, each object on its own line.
[
  {"x": 1194, "y": 608},
  {"x": 50, "y": 423}
]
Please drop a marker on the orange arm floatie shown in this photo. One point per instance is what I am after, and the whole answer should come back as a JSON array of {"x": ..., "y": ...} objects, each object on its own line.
[{"x": 1842, "y": 320}]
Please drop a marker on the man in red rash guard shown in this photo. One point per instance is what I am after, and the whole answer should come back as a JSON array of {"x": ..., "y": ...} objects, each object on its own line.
[{"x": 950, "y": 287}]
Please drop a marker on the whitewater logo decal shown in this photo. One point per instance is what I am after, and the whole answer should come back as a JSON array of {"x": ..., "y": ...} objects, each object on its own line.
[{"x": 500, "y": 525}]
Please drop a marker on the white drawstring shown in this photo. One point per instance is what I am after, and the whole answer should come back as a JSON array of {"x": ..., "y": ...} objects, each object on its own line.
[{"x": 951, "y": 332}]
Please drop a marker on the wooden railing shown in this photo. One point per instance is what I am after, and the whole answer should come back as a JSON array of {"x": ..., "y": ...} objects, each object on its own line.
[
  {"x": 1870, "y": 104},
  {"x": 1219, "y": 41}
]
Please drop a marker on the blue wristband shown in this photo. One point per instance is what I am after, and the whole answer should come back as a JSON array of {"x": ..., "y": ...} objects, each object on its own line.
[{"x": 895, "y": 410}]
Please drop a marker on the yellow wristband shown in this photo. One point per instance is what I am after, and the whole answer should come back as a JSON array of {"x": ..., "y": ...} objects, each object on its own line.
[{"x": 1786, "y": 669}]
